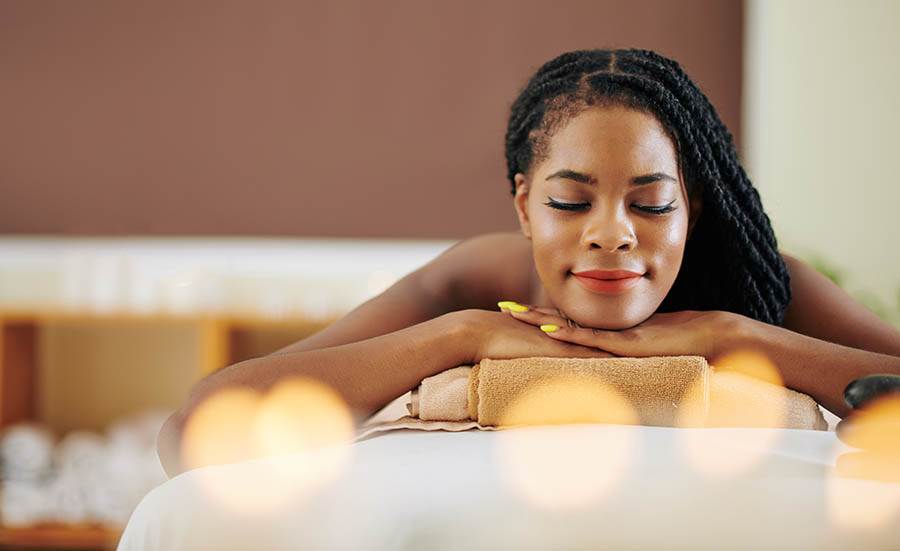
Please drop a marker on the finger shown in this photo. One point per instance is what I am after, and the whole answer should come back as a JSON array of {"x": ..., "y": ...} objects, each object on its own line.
[
  {"x": 512, "y": 306},
  {"x": 620, "y": 343},
  {"x": 538, "y": 316},
  {"x": 537, "y": 311}
]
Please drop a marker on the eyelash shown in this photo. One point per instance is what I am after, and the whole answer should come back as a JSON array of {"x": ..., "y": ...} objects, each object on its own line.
[{"x": 581, "y": 206}]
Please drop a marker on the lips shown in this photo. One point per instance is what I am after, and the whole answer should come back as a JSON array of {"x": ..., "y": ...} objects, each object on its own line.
[
  {"x": 608, "y": 281},
  {"x": 607, "y": 274}
]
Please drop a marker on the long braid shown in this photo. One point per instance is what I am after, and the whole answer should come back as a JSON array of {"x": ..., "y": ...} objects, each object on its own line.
[
  {"x": 731, "y": 261},
  {"x": 661, "y": 100},
  {"x": 672, "y": 75},
  {"x": 749, "y": 205}
]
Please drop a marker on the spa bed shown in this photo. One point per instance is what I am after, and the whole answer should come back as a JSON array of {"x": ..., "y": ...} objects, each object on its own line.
[{"x": 584, "y": 486}]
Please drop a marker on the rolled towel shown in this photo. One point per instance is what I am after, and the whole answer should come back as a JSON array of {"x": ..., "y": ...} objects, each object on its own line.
[
  {"x": 80, "y": 452},
  {"x": 23, "y": 503},
  {"x": 68, "y": 498},
  {"x": 26, "y": 452},
  {"x": 737, "y": 400},
  {"x": 669, "y": 391},
  {"x": 444, "y": 396},
  {"x": 572, "y": 390}
]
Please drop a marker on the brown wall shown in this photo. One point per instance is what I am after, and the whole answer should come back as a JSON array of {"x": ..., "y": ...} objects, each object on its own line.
[{"x": 340, "y": 118}]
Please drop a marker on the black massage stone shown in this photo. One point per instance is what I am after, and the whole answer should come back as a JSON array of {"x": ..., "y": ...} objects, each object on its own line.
[
  {"x": 858, "y": 394},
  {"x": 861, "y": 391}
]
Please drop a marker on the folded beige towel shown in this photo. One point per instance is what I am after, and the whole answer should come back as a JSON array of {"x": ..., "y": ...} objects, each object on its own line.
[
  {"x": 653, "y": 386},
  {"x": 446, "y": 396},
  {"x": 668, "y": 391}
]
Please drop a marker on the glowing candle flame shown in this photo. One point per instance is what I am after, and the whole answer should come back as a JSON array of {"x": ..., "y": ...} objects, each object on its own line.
[{"x": 549, "y": 468}]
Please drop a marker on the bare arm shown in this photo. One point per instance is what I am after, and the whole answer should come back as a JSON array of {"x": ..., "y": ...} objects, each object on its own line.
[
  {"x": 828, "y": 339},
  {"x": 367, "y": 374},
  {"x": 473, "y": 273},
  {"x": 381, "y": 349},
  {"x": 372, "y": 355},
  {"x": 822, "y": 310},
  {"x": 815, "y": 367}
]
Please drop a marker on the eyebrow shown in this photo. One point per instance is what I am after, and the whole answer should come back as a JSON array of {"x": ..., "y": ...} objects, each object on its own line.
[{"x": 580, "y": 177}]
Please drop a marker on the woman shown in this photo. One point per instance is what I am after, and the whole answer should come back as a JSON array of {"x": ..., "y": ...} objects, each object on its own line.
[{"x": 619, "y": 166}]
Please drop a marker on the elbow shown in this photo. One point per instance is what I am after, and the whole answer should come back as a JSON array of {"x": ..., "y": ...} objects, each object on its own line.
[
  {"x": 170, "y": 440},
  {"x": 168, "y": 444}
]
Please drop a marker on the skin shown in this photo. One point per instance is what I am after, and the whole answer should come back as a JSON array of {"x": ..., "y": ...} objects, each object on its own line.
[
  {"x": 610, "y": 145},
  {"x": 445, "y": 313}
]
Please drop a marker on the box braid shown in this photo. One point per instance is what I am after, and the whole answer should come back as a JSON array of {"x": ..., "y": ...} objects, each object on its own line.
[{"x": 731, "y": 261}]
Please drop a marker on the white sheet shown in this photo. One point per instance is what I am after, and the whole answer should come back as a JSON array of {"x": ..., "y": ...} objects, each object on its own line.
[{"x": 439, "y": 490}]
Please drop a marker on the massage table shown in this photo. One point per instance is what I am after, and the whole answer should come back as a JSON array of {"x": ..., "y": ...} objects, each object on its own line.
[{"x": 577, "y": 486}]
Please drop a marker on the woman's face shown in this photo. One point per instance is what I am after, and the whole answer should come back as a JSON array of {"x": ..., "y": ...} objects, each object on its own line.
[{"x": 606, "y": 165}]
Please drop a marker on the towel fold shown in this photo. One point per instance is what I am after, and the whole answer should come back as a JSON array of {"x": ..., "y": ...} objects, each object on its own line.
[
  {"x": 446, "y": 396},
  {"x": 667, "y": 391}
]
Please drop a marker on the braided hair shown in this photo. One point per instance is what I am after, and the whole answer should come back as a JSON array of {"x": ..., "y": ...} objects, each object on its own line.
[{"x": 731, "y": 260}]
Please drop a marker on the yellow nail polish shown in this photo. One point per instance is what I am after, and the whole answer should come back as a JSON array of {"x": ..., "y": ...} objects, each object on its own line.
[
  {"x": 549, "y": 327},
  {"x": 511, "y": 305}
]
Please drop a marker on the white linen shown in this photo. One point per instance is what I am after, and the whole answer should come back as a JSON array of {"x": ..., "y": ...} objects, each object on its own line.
[{"x": 410, "y": 489}]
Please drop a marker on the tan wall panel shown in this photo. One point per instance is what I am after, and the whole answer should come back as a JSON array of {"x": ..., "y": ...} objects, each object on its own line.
[
  {"x": 343, "y": 118},
  {"x": 93, "y": 373}
]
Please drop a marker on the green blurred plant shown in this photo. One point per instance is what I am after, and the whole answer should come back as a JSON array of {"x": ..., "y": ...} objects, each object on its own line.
[
  {"x": 883, "y": 309},
  {"x": 826, "y": 268}
]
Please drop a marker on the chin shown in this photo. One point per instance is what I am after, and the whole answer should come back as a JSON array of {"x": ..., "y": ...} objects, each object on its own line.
[
  {"x": 610, "y": 312},
  {"x": 607, "y": 321}
]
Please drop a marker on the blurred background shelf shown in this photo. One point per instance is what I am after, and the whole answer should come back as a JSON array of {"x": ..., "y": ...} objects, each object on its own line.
[
  {"x": 29, "y": 339},
  {"x": 94, "y": 330},
  {"x": 217, "y": 341},
  {"x": 60, "y": 536}
]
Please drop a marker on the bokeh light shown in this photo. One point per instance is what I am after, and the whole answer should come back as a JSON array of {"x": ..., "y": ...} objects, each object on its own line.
[
  {"x": 751, "y": 363},
  {"x": 875, "y": 427},
  {"x": 743, "y": 390},
  {"x": 548, "y": 467},
  {"x": 301, "y": 428},
  {"x": 220, "y": 429},
  {"x": 864, "y": 491}
]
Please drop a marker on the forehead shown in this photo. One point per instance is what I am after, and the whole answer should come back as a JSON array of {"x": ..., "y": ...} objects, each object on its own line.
[{"x": 612, "y": 137}]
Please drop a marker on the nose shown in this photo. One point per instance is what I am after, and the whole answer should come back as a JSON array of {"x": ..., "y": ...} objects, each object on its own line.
[{"x": 609, "y": 229}]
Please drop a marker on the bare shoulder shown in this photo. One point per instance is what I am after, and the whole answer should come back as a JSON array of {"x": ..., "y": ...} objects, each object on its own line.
[
  {"x": 473, "y": 273},
  {"x": 479, "y": 271},
  {"x": 821, "y": 309}
]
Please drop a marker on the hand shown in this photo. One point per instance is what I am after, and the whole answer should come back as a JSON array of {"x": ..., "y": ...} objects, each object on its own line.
[
  {"x": 685, "y": 333},
  {"x": 497, "y": 336}
]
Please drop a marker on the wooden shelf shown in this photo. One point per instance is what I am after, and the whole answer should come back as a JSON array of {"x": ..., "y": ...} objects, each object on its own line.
[
  {"x": 222, "y": 340},
  {"x": 60, "y": 536}
]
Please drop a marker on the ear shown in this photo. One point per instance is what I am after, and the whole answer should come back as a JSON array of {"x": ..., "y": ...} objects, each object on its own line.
[
  {"x": 696, "y": 209},
  {"x": 521, "y": 204}
]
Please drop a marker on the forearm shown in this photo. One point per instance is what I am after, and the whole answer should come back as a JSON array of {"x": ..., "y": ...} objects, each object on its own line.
[
  {"x": 815, "y": 367},
  {"x": 367, "y": 374}
]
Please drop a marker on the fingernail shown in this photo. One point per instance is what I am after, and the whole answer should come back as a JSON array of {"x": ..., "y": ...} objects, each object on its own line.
[
  {"x": 549, "y": 327},
  {"x": 511, "y": 305}
]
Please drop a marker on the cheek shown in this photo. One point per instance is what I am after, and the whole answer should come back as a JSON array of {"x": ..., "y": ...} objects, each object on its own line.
[
  {"x": 669, "y": 249},
  {"x": 546, "y": 225},
  {"x": 549, "y": 233},
  {"x": 671, "y": 237}
]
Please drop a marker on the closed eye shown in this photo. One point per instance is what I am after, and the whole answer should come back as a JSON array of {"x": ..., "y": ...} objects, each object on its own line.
[
  {"x": 566, "y": 206},
  {"x": 663, "y": 209}
]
